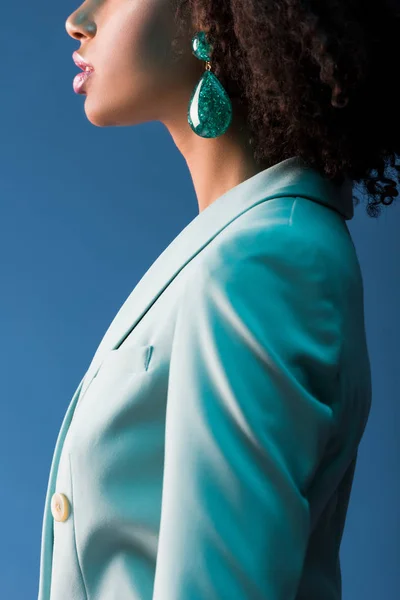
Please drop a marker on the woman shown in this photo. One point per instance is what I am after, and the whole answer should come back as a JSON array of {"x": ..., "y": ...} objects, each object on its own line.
[{"x": 209, "y": 451}]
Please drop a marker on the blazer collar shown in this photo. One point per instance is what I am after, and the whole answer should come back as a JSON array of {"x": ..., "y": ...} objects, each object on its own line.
[{"x": 287, "y": 178}]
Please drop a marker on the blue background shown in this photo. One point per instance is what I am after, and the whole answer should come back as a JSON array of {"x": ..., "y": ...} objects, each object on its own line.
[{"x": 84, "y": 212}]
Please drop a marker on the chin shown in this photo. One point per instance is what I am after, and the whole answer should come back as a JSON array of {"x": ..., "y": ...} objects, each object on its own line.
[
  {"x": 100, "y": 120},
  {"x": 108, "y": 118},
  {"x": 101, "y": 116},
  {"x": 107, "y": 111}
]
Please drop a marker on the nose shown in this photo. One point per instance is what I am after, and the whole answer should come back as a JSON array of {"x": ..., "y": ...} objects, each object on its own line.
[{"x": 79, "y": 26}]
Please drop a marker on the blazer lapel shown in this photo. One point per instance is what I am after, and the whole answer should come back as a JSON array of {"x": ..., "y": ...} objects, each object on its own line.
[
  {"x": 287, "y": 178},
  {"x": 47, "y": 526}
]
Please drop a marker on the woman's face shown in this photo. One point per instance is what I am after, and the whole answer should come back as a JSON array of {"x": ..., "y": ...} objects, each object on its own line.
[{"x": 137, "y": 75}]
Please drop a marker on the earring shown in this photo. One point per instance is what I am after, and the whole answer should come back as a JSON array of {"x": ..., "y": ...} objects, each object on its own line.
[{"x": 210, "y": 109}]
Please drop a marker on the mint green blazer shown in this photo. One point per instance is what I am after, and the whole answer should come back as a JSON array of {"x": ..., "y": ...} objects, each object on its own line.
[{"x": 209, "y": 451}]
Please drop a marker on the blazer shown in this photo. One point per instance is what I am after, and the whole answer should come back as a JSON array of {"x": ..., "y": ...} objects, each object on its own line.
[{"x": 208, "y": 453}]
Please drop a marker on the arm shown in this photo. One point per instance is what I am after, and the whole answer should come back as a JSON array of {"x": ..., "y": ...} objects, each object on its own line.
[{"x": 255, "y": 350}]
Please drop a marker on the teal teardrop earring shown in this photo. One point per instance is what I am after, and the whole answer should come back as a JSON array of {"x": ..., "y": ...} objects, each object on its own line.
[{"x": 210, "y": 109}]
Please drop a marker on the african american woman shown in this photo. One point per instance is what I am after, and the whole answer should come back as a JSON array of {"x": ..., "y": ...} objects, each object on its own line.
[{"x": 209, "y": 451}]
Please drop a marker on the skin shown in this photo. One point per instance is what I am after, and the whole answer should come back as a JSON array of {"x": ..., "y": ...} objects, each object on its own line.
[{"x": 138, "y": 78}]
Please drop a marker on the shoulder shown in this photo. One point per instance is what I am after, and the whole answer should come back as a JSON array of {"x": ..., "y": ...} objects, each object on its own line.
[
  {"x": 293, "y": 234},
  {"x": 287, "y": 261},
  {"x": 266, "y": 282}
]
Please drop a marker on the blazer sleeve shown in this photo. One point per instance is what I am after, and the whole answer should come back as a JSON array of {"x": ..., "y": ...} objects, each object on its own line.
[{"x": 249, "y": 414}]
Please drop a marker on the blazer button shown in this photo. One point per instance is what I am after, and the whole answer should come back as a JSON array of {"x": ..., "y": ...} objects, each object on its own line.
[{"x": 59, "y": 507}]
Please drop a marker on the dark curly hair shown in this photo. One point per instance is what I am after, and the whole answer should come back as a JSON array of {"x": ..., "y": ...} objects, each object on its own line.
[{"x": 314, "y": 78}]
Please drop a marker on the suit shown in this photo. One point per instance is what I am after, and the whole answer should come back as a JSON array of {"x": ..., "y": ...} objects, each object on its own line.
[{"x": 208, "y": 453}]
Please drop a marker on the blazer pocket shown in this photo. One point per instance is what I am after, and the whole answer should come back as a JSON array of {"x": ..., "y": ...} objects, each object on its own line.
[
  {"x": 118, "y": 366},
  {"x": 114, "y": 387},
  {"x": 124, "y": 361}
]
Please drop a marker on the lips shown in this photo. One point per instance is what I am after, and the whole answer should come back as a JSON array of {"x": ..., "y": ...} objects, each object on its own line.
[{"x": 81, "y": 63}]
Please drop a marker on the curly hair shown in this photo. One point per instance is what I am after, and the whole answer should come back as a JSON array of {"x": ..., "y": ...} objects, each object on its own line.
[{"x": 313, "y": 79}]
